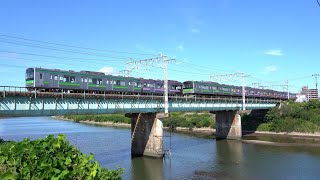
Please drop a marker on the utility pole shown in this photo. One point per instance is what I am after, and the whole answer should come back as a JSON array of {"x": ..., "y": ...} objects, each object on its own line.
[
  {"x": 287, "y": 82},
  {"x": 316, "y": 76},
  {"x": 286, "y": 85},
  {"x": 166, "y": 98},
  {"x": 236, "y": 75},
  {"x": 243, "y": 92},
  {"x": 150, "y": 62}
]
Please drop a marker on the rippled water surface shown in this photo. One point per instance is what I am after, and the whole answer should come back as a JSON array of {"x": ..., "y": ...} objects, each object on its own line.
[{"x": 192, "y": 157}]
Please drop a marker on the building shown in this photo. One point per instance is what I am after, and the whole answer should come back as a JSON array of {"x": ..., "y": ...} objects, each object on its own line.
[
  {"x": 313, "y": 94},
  {"x": 309, "y": 93}
]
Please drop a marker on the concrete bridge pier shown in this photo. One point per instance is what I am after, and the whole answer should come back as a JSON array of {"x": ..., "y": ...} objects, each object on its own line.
[
  {"x": 228, "y": 125},
  {"x": 146, "y": 134}
]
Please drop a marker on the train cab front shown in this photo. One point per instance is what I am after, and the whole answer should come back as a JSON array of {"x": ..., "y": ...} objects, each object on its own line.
[{"x": 30, "y": 78}]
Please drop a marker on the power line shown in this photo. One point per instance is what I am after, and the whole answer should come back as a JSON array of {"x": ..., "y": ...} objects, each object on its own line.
[
  {"x": 64, "y": 63},
  {"x": 79, "y": 47},
  {"x": 62, "y": 50},
  {"x": 318, "y": 2},
  {"x": 57, "y": 57}
]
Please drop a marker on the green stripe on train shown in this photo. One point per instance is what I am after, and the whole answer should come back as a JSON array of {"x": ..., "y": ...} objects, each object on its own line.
[
  {"x": 121, "y": 87},
  {"x": 29, "y": 82},
  {"x": 68, "y": 84},
  {"x": 96, "y": 85},
  {"x": 187, "y": 90}
]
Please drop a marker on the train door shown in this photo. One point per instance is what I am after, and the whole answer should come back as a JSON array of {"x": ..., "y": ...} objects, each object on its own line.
[
  {"x": 54, "y": 80},
  {"x": 41, "y": 77},
  {"x": 109, "y": 83},
  {"x": 84, "y": 83},
  {"x": 130, "y": 85}
]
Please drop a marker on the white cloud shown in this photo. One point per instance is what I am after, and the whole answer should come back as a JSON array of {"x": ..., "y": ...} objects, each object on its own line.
[
  {"x": 274, "y": 52},
  {"x": 180, "y": 48},
  {"x": 107, "y": 70},
  {"x": 195, "y": 30},
  {"x": 270, "y": 69}
]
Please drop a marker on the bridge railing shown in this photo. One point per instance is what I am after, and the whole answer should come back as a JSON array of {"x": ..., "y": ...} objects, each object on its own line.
[{"x": 24, "y": 91}]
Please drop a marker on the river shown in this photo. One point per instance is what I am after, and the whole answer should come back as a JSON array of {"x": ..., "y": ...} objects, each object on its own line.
[{"x": 191, "y": 157}]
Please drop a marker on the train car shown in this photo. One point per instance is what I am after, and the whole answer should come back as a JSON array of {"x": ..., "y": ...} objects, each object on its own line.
[
  {"x": 55, "y": 79},
  {"x": 60, "y": 80},
  {"x": 157, "y": 86}
]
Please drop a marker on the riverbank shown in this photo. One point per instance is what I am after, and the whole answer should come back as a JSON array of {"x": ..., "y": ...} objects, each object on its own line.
[{"x": 200, "y": 131}]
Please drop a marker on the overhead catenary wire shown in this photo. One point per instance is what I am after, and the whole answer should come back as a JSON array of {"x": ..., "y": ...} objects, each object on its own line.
[
  {"x": 79, "y": 47},
  {"x": 59, "y": 57},
  {"x": 65, "y": 50}
]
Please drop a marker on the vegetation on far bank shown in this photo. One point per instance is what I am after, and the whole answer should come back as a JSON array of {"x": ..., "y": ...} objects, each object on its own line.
[
  {"x": 115, "y": 118},
  {"x": 49, "y": 158},
  {"x": 289, "y": 117},
  {"x": 189, "y": 120},
  {"x": 176, "y": 119}
]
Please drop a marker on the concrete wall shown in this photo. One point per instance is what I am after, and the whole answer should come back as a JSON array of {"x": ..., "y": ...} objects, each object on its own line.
[
  {"x": 146, "y": 134},
  {"x": 228, "y": 125}
]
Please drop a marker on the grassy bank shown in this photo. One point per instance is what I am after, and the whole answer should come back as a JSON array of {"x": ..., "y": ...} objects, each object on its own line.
[
  {"x": 189, "y": 120},
  {"x": 176, "y": 119},
  {"x": 115, "y": 118},
  {"x": 290, "y": 117},
  {"x": 49, "y": 158}
]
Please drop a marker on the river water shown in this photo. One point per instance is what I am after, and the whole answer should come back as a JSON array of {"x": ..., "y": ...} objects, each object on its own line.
[{"x": 191, "y": 157}]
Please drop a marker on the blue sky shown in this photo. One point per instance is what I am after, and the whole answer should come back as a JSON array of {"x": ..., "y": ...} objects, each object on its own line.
[{"x": 270, "y": 40}]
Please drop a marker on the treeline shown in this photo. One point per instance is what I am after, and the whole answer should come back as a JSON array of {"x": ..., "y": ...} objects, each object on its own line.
[
  {"x": 189, "y": 120},
  {"x": 176, "y": 119},
  {"x": 49, "y": 158},
  {"x": 289, "y": 117},
  {"x": 115, "y": 118}
]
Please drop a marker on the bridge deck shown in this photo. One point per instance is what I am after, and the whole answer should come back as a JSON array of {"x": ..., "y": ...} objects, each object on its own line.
[{"x": 24, "y": 103}]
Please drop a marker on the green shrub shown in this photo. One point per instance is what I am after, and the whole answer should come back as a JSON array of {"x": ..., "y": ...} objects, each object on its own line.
[{"x": 49, "y": 158}]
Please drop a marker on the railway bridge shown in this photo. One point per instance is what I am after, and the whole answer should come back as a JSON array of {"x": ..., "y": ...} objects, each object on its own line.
[{"x": 145, "y": 111}]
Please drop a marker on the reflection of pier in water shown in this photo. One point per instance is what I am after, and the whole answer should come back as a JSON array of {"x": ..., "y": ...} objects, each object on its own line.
[
  {"x": 147, "y": 168},
  {"x": 230, "y": 157}
]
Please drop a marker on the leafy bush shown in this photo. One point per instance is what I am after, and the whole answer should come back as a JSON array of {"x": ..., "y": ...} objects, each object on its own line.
[
  {"x": 189, "y": 120},
  {"x": 49, "y": 158},
  {"x": 291, "y": 116},
  {"x": 115, "y": 118}
]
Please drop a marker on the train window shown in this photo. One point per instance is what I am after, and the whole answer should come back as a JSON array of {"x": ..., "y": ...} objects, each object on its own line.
[
  {"x": 99, "y": 81},
  {"x": 66, "y": 78},
  {"x": 94, "y": 81},
  {"x": 152, "y": 85},
  {"x": 85, "y": 79},
  {"x": 118, "y": 82},
  {"x": 137, "y": 84},
  {"x": 225, "y": 89},
  {"x": 55, "y": 77},
  {"x": 61, "y": 78},
  {"x": 90, "y": 80},
  {"x": 107, "y": 82},
  {"x": 72, "y": 79},
  {"x": 122, "y": 83},
  {"x": 50, "y": 76},
  {"x": 214, "y": 88},
  {"x": 145, "y": 84},
  {"x": 114, "y": 82},
  {"x": 81, "y": 79},
  {"x": 40, "y": 76}
]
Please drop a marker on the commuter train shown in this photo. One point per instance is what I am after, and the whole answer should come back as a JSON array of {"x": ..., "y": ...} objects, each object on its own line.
[{"x": 98, "y": 82}]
